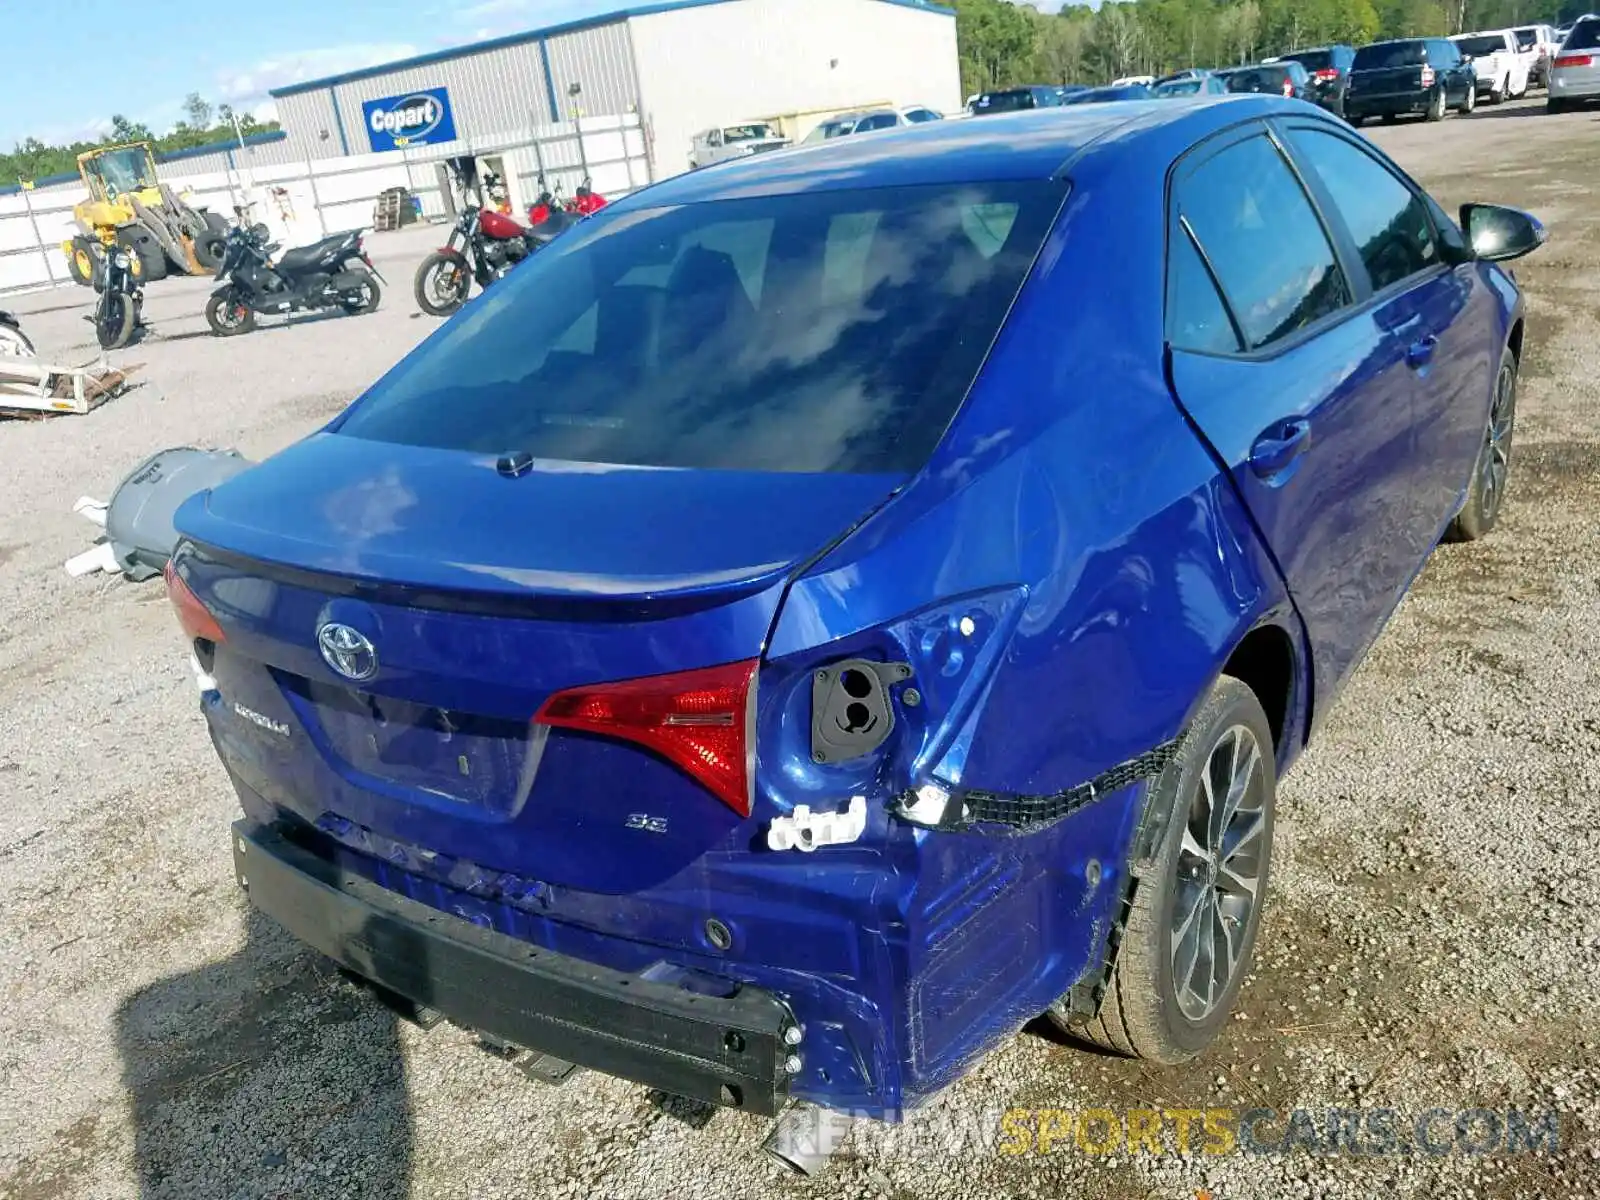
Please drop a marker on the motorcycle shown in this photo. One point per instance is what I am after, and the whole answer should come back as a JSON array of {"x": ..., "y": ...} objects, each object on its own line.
[
  {"x": 119, "y": 309},
  {"x": 483, "y": 247},
  {"x": 584, "y": 202},
  {"x": 333, "y": 273}
]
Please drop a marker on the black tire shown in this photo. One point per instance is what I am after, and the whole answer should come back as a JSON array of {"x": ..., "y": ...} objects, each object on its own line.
[
  {"x": 228, "y": 317},
  {"x": 14, "y": 343},
  {"x": 1552, "y": 105},
  {"x": 113, "y": 320},
  {"x": 431, "y": 297},
  {"x": 1356, "y": 122},
  {"x": 81, "y": 261},
  {"x": 1469, "y": 100},
  {"x": 370, "y": 297},
  {"x": 215, "y": 222},
  {"x": 1144, "y": 1014},
  {"x": 1436, "y": 106},
  {"x": 1491, "y": 471},
  {"x": 141, "y": 244},
  {"x": 1389, "y": 118},
  {"x": 209, "y": 247}
]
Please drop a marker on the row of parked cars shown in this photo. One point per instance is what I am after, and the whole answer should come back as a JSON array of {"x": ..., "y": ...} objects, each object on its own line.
[{"x": 1389, "y": 79}]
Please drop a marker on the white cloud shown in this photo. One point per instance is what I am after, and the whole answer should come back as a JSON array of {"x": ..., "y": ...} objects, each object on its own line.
[{"x": 249, "y": 86}]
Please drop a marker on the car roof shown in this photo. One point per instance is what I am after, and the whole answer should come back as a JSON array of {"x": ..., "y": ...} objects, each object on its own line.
[{"x": 1002, "y": 147}]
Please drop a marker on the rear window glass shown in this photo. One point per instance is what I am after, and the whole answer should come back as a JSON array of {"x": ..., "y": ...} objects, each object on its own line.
[
  {"x": 1526, "y": 38},
  {"x": 833, "y": 331},
  {"x": 1012, "y": 101},
  {"x": 1585, "y": 36},
  {"x": 1256, "y": 79},
  {"x": 1312, "y": 60},
  {"x": 1481, "y": 47},
  {"x": 1390, "y": 54}
]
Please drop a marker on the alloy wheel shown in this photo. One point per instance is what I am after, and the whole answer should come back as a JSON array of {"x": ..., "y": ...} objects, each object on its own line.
[
  {"x": 1496, "y": 461},
  {"x": 1220, "y": 865}
]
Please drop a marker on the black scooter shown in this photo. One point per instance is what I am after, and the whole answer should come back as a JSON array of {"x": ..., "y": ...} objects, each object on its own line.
[
  {"x": 332, "y": 273},
  {"x": 118, "y": 310}
]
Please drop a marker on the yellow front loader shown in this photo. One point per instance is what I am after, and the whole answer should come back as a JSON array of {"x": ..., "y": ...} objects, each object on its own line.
[{"x": 129, "y": 206}]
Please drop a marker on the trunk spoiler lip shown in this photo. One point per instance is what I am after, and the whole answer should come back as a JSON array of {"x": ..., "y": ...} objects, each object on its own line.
[{"x": 528, "y": 601}]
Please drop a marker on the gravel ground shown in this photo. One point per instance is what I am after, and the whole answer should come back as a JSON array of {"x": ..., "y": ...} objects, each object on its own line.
[{"x": 1432, "y": 940}]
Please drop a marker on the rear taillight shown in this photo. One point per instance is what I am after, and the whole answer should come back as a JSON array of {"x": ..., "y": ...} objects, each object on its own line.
[
  {"x": 1288, "y": 86},
  {"x": 698, "y": 720},
  {"x": 196, "y": 619},
  {"x": 1325, "y": 74},
  {"x": 1427, "y": 76},
  {"x": 1574, "y": 60}
]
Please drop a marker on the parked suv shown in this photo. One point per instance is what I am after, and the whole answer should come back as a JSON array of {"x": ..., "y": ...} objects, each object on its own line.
[
  {"x": 849, "y": 124},
  {"x": 1575, "y": 74},
  {"x": 1500, "y": 68},
  {"x": 1540, "y": 43},
  {"x": 1407, "y": 76},
  {"x": 1329, "y": 68}
]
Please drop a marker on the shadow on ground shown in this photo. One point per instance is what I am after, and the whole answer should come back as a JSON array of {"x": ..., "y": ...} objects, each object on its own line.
[{"x": 265, "y": 1075}]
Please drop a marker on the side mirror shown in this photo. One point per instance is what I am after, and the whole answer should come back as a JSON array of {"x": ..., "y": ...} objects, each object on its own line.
[{"x": 1497, "y": 233}]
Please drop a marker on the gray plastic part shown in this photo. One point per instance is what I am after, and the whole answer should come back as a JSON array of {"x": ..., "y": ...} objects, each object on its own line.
[
  {"x": 139, "y": 517},
  {"x": 851, "y": 711}
]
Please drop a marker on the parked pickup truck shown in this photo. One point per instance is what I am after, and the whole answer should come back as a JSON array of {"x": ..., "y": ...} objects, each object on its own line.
[{"x": 734, "y": 141}]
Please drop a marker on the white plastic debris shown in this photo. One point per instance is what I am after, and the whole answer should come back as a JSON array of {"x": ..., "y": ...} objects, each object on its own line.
[
  {"x": 203, "y": 680},
  {"x": 806, "y": 830},
  {"x": 91, "y": 509},
  {"x": 100, "y": 557}
]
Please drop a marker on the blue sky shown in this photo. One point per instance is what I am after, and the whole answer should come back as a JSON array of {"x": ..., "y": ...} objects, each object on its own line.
[{"x": 231, "y": 53}]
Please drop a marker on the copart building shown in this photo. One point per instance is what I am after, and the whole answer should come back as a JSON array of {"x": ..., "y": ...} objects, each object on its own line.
[{"x": 638, "y": 83}]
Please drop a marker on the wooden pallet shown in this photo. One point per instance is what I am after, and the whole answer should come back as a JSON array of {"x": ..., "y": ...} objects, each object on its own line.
[{"x": 29, "y": 388}]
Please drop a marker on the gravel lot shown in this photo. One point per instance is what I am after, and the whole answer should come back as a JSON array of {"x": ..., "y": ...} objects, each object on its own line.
[{"x": 1433, "y": 938}]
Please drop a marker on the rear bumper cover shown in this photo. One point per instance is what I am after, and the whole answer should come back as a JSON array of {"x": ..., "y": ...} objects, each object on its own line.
[
  {"x": 722, "y": 1050},
  {"x": 1393, "y": 103}
]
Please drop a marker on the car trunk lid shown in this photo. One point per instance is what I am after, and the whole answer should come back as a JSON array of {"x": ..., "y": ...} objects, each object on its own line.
[{"x": 471, "y": 598}]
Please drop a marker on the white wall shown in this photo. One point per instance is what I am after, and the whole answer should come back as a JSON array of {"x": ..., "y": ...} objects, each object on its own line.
[{"x": 723, "y": 63}]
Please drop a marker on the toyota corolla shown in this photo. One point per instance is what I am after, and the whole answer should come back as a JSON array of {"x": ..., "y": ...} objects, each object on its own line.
[{"x": 822, "y": 613}]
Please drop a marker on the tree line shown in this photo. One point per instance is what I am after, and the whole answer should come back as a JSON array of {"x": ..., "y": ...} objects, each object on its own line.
[
  {"x": 202, "y": 124},
  {"x": 1003, "y": 43}
]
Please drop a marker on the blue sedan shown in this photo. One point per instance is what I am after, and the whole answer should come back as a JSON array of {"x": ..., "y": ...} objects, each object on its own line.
[{"x": 822, "y": 613}]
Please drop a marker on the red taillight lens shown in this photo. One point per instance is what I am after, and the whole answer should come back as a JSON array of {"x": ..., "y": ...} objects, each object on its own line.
[
  {"x": 1574, "y": 60},
  {"x": 1427, "y": 76},
  {"x": 699, "y": 720},
  {"x": 1325, "y": 74},
  {"x": 195, "y": 618},
  {"x": 1288, "y": 87}
]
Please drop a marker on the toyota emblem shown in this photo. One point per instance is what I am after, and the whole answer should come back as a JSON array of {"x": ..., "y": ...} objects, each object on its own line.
[{"x": 348, "y": 651}]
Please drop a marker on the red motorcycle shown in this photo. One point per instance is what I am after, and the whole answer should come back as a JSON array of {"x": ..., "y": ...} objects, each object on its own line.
[
  {"x": 549, "y": 207},
  {"x": 483, "y": 246}
]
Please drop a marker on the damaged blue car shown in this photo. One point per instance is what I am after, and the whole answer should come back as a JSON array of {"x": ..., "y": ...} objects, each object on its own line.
[{"x": 822, "y": 613}]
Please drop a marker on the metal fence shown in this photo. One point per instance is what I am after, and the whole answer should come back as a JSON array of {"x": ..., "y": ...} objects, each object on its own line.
[{"x": 309, "y": 199}]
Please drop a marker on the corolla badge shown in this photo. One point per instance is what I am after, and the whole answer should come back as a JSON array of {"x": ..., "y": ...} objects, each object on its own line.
[{"x": 348, "y": 651}]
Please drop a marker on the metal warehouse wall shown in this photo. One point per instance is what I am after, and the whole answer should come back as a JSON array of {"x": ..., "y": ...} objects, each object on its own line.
[
  {"x": 753, "y": 59},
  {"x": 601, "y": 59},
  {"x": 312, "y": 126}
]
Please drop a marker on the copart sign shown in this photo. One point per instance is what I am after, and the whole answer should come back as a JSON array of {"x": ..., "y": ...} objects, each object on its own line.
[{"x": 414, "y": 119}]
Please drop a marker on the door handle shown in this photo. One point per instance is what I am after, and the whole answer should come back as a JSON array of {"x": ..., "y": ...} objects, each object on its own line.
[
  {"x": 1279, "y": 445},
  {"x": 1420, "y": 352}
]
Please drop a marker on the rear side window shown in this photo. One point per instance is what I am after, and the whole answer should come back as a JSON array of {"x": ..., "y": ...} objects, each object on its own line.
[
  {"x": 1263, "y": 239},
  {"x": 877, "y": 121},
  {"x": 1384, "y": 55},
  {"x": 828, "y": 331},
  {"x": 1312, "y": 60},
  {"x": 1388, "y": 222},
  {"x": 1585, "y": 36},
  {"x": 1262, "y": 80},
  {"x": 1196, "y": 317}
]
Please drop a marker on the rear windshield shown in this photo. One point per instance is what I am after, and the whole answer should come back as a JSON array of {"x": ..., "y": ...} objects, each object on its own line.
[
  {"x": 830, "y": 331},
  {"x": 1013, "y": 101},
  {"x": 1255, "y": 79},
  {"x": 1311, "y": 60},
  {"x": 1178, "y": 87},
  {"x": 1526, "y": 38},
  {"x": 1481, "y": 47},
  {"x": 1585, "y": 36},
  {"x": 1390, "y": 54}
]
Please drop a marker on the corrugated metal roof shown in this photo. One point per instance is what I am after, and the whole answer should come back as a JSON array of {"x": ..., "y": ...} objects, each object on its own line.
[{"x": 533, "y": 35}]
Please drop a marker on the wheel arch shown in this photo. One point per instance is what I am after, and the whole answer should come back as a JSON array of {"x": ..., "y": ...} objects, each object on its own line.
[
  {"x": 1514, "y": 338},
  {"x": 1267, "y": 660}
]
